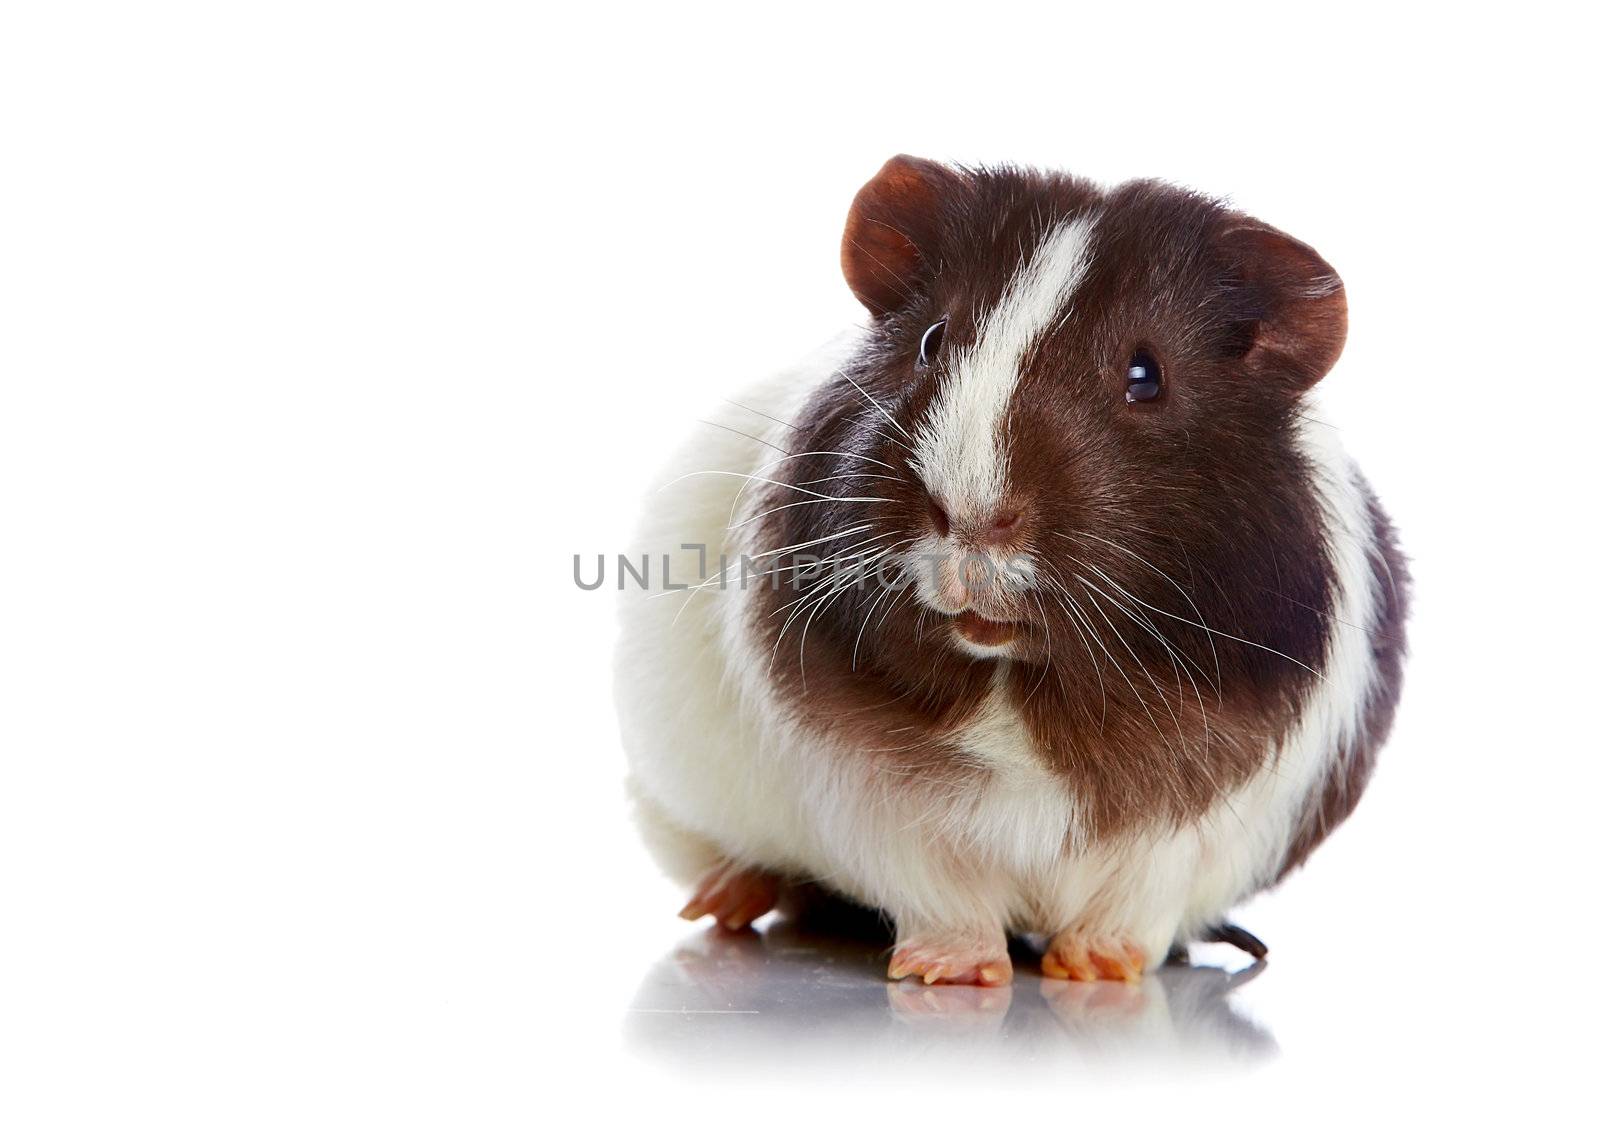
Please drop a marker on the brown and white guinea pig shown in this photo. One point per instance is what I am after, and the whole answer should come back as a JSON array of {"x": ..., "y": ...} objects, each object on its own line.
[{"x": 1041, "y": 603}]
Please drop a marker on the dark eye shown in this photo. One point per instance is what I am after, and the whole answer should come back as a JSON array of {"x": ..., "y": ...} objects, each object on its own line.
[
  {"x": 1144, "y": 377},
  {"x": 928, "y": 349}
]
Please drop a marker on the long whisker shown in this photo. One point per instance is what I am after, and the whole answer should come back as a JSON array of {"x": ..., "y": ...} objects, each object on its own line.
[
  {"x": 1145, "y": 624},
  {"x": 838, "y": 593},
  {"x": 825, "y": 453},
  {"x": 855, "y": 652},
  {"x": 875, "y": 405},
  {"x": 742, "y": 433},
  {"x": 1177, "y": 663},
  {"x": 748, "y": 477},
  {"x": 1080, "y": 622},
  {"x": 1115, "y": 546},
  {"x": 1048, "y": 656},
  {"x": 906, "y": 592},
  {"x": 878, "y": 432},
  {"x": 1112, "y": 627},
  {"x": 823, "y": 499},
  {"x": 758, "y": 413},
  {"x": 1218, "y": 633},
  {"x": 799, "y": 605},
  {"x": 719, "y": 578},
  {"x": 848, "y": 558},
  {"x": 737, "y": 496},
  {"x": 855, "y": 476},
  {"x": 1202, "y": 766},
  {"x": 816, "y": 598},
  {"x": 847, "y": 573},
  {"x": 809, "y": 542}
]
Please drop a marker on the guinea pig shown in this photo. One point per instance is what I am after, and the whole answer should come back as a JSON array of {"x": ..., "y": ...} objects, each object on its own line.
[{"x": 1044, "y": 602}]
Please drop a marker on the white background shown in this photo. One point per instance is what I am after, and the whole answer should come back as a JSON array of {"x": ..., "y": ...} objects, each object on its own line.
[{"x": 329, "y": 333}]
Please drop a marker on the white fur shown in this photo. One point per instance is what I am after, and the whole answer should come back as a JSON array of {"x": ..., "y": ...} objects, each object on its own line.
[
  {"x": 958, "y": 446},
  {"x": 951, "y": 576},
  {"x": 721, "y": 769}
]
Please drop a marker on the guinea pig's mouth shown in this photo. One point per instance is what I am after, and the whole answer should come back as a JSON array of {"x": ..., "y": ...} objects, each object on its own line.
[{"x": 981, "y": 631}]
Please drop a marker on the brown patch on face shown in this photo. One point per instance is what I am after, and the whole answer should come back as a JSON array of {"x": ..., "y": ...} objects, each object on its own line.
[
  {"x": 874, "y": 668},
  {"x": 1151, "y": 525}
]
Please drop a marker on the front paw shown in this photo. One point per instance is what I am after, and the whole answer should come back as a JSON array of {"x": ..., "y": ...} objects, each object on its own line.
[
  {"x": 1077, "y": 954},
  {"x": 952, "y": 960}
]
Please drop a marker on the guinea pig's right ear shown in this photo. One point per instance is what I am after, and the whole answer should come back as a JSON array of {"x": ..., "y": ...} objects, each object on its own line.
[{"x": 890, "y": 240}]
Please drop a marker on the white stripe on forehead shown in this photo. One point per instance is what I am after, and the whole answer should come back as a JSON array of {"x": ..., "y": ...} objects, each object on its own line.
[{"x": 958, "y": 452}]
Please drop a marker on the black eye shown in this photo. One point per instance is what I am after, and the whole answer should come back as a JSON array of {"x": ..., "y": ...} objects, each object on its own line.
[
  {"x": 1144, "y": 377},
  {"x": 928, "y": 349}
]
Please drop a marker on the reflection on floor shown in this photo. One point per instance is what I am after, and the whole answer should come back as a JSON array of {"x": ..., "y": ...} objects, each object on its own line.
[{"x": 793, "y": 994}]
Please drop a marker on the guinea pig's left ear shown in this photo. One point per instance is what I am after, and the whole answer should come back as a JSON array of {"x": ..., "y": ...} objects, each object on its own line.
[
  {"x": 1295, "y": 325},
  {"x": 891, "y": 239}
]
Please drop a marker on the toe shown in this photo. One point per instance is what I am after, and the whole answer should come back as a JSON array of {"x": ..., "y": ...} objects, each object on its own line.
[
  {"x": 933, "y": 964},
  {"x": 1089, "y": 956},
  {"x": 735, "y": 897}
]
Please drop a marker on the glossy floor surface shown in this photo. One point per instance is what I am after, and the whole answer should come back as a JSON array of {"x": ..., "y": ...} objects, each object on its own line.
[{"x": 792, "y": 995}]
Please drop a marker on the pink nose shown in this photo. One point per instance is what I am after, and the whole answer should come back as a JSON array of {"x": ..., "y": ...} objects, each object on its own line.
[
  {"x": 1001, "y": 527},
  {"x": 998, "y": 527}
]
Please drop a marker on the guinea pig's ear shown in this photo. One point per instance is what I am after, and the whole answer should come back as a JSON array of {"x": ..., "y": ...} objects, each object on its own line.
[
  {"x": 1295, "y": 324},
  {"x": 891, "y": 237}
]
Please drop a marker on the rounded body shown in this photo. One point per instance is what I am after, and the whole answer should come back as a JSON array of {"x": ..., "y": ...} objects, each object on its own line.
[
  {"x": 1043, "y": 602},
  {"x": 724, "y": 769}
]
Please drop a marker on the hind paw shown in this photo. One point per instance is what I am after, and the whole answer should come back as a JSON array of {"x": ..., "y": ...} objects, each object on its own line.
[{"x": 734, "y": 895}]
